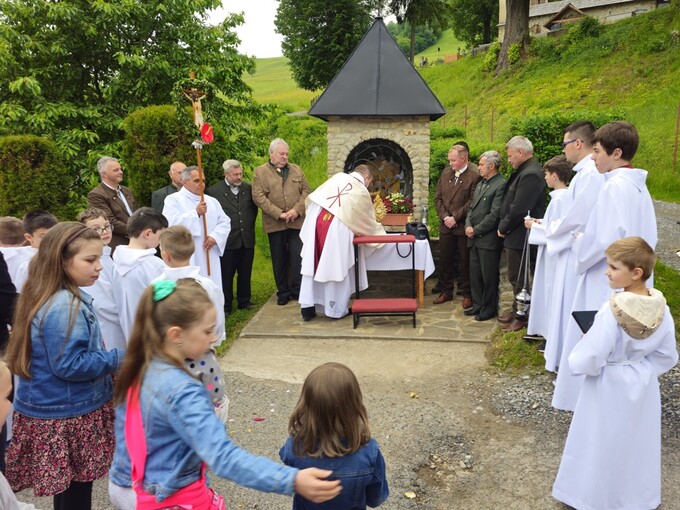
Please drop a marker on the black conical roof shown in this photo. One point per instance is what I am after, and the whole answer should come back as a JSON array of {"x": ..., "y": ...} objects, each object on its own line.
[{"x": 377, "y": 80}]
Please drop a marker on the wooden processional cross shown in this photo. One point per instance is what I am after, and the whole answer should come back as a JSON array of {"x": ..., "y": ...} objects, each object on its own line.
[{"x": 194, "y": 95}]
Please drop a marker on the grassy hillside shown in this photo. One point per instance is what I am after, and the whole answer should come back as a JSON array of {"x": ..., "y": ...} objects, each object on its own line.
[{"x": 632, "y": 67}]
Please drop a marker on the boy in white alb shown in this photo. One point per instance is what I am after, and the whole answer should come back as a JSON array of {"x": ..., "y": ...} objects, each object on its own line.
[
  {"x": 624, "y": 208},
  {"x": 13, "y": 244},
  {"x": 36, "y": 225},
  {"x": 583, "y": 190},
  {"x": 103, "y": 299},
  {"x": 543, "y": 294},
  {"x": 612, "y": 457},
  {"x": 136, "y": 264}
]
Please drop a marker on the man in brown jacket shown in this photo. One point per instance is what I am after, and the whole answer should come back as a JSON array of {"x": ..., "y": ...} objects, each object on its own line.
[
  {"x": 453, "y": 196},
  {"x": 280, "y": 190},
  {"x": 117, "y": 201}
]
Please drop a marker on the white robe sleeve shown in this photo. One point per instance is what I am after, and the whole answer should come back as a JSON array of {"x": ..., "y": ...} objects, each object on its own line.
[
  {"x": 176, "y": 212},
  {"x": 666, "y": 356},
  {"x": 590, "y": 354},
  {"x": 220, "y": 231}
]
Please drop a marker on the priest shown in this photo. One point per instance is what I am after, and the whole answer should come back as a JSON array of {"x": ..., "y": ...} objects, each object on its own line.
[
  {"x": 338, "y": 210},
  {"x": 188, "y": 207}
]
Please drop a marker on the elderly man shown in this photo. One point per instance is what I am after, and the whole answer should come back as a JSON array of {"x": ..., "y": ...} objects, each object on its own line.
[
  {"x": 186, "y": 208},
  {"x": 483, "y": 242},
  {"x": 524, "y": 194},
  {"x": 115, "y": 200},
  {"x": 280, "y": 189},
  {"x": 452, "y": 198},
  {"x": 175, "y": 174},
  {"x": 337, "y": 211},
  {"x": 236, "y": 198}
]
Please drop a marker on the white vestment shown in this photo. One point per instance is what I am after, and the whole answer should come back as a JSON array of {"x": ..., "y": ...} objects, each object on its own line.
[
  {"x": 624, "y": 208},
  {"x": 544, "y": 274},
  {"x": 583, "y": 191},
  {"x": 612, "y": 457},
  {"x": 18, "y": 259},
  {"x": 104, "y": 304},
  {"x": 134, "y": 270},
  {"x": 180, "y": 209},
  {"x": 214, "y": 293},
  {"x": 331, "y": 285}
]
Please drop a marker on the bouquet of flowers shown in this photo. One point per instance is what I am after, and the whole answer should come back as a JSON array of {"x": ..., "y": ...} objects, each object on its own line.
[{"x": 398, "y": 203}]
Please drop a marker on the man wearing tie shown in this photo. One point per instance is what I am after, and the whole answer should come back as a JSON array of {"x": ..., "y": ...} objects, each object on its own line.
[
  {"x": 483, "y": 242},
  {"x": 235, "y": 197},
  {"x": 452, "y": 198},
  {"x": 117, "y": 201}
]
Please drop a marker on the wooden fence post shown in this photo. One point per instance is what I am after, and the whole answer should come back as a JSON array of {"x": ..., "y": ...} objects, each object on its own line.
[{"x": 492, "y": 123}]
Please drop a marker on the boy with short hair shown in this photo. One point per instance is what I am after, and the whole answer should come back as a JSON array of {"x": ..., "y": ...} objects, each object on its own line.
[
  {"x": 36, "y": 224},
  {"x": 612, "y": 457},
  {"x": 624, "y": 208},
  {"x": 102, "y": 291},
  {"x": 545, "y": 293},
  {"x": 177, "y": 247},
  {"x": 135, "y": 264}
]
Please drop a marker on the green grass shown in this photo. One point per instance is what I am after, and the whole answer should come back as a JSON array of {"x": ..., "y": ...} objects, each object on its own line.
[
  {"x": 273, "y": 83},
  {"x": 447, "y": 44}
]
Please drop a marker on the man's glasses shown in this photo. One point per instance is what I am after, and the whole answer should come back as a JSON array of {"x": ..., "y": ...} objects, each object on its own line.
[
  {"x": 106, "y": 228},
  {"x": 564, "y": 144}
]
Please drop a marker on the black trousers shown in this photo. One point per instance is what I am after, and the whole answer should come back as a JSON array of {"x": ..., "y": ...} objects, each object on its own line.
[
  {"x": 78, "y": 496},
  {"x": 484, "y": 280},
  {"x": 237, "y": 262},
  {"x": 286, "y": 249},
  {"x": 453, "y": 251}
]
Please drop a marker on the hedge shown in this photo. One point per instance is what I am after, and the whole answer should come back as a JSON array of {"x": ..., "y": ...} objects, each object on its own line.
[{"x": 33, "y": 176}]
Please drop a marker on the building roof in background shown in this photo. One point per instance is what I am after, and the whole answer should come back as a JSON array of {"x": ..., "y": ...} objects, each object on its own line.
[{"x": 554, "y": 7}]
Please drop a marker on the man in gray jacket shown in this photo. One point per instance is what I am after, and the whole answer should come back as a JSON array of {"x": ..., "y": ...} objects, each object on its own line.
[{"x": 483, "y": 242}]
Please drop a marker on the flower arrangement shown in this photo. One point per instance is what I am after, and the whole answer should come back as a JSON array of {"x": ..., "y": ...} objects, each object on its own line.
[{"x": 397, "y": 203}]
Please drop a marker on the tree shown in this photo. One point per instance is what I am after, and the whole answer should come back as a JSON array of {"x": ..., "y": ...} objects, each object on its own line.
[
  {"x": 475, "y": 21},
  {"x": 319, "y": 36},
  {"x": 425, "y": 37},
  {"x": 516, "y": 31},
  {"x": 432, "y": 13},
  {"x": 73, "y": 69}
]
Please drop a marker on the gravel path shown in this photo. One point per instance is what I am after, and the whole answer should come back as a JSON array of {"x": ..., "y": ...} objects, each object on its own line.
[{"x": 668, "y": 226}]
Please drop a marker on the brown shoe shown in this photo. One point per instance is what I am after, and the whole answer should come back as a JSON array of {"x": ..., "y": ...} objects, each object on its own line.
[
  {"x": 507, "y": 318},
  {"x": 442, "y": 298},
  {"x": 467, "y": 303},
  {"x": 515, "y": 325}
]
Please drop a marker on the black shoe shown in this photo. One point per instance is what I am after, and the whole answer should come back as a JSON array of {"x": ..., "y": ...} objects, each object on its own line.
[
  {"x": 283, "y": 300},
  {"x": 533, "y": 338},
  {"x": 470, "y": 312},
  {"x": 308, "y": 313},
  {"x": 541, "y": 348},
  {"x": 483, "y": 317},
  {"x": 247, "y": 306}
]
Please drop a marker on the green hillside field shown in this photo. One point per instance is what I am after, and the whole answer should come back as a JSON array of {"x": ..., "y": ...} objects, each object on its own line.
[{"x": 632, "y": 68}]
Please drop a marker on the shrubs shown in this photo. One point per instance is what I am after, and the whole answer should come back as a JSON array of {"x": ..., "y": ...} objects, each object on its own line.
[
  {"x": 33, "y": 176},
  {"x": 546, "y": 131},
  {"x": 491, "y": 57}
]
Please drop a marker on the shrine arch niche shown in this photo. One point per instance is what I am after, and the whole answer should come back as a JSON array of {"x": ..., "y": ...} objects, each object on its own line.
[{"x": 390, "y": 163}]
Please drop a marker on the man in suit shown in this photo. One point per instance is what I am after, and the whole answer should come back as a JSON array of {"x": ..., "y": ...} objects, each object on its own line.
[
  {"x": 235, "y": 197},
  {"x": 117, "y": 201},
  {"x": 483, "y": 242},
  {"x": 452, "y": 198},
  {"x": 280, "y": 189},
  {"x": 158, "y": 196},
  {"x": 524, "y": 194}
]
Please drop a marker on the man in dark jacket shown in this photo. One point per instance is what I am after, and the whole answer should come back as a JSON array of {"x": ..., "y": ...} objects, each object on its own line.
[
  {"x": 483, "y": 242},
  {"x": 235, "y": 197},
  {"x": 524, "y": 194}
]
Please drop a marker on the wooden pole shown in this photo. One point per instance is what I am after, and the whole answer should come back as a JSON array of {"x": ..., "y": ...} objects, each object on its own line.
[
  {"x": 195, "y": 97},
  {"x": 677, "y": 131}
]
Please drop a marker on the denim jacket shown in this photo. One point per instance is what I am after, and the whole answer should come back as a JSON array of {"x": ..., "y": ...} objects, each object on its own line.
[
  {"x": 362, "y": 474},
  {"x": 68, "y": 378},
  {"x": 182, "y": 430}
]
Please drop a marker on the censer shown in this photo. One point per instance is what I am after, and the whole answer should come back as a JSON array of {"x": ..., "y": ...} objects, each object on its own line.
[{"x": 523, "y": 298}]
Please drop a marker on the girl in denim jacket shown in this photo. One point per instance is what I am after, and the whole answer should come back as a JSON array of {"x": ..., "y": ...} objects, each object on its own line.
[
  {"x": 329, "y": 429},
  {"x": 63, "y": 420},
  {"x": 166, "y": 419}
]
